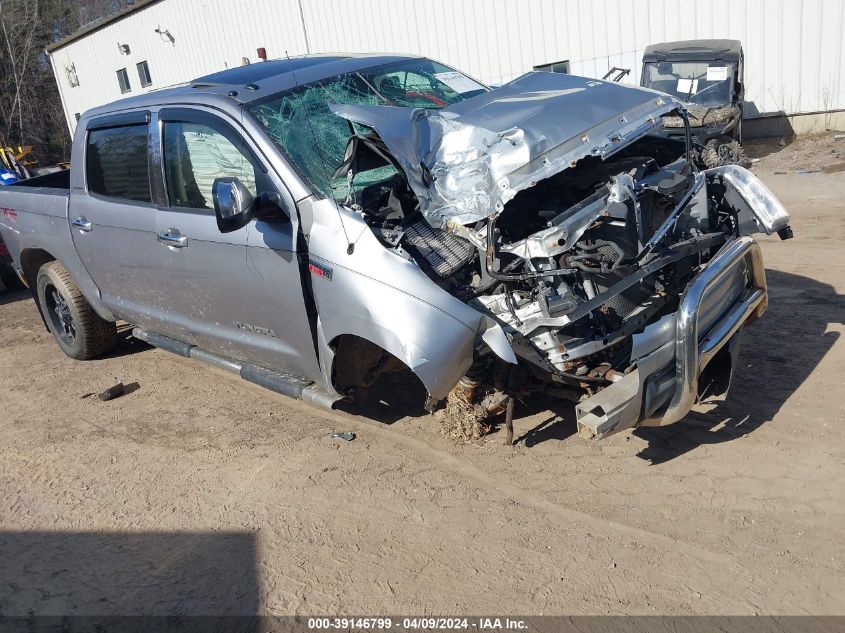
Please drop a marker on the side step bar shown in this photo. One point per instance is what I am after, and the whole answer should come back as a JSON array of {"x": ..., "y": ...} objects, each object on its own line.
[{"x": 285, "y": 384}]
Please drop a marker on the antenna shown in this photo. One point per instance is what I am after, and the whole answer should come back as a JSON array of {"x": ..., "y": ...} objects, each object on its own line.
[{"x": 350, "y": 248}]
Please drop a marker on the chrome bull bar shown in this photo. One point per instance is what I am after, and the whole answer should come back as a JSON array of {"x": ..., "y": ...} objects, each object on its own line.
[
  {"x": 727, "y": 294},
  {"x": 692, "y": 351}
]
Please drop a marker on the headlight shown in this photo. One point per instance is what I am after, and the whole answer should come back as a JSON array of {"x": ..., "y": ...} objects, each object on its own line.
[{"x": 769, "y": 214}]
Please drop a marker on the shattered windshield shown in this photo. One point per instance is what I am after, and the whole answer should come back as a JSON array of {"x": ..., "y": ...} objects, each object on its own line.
[
  {"x": 314, "y": 139},
  {"x": 704, "y": 83}
]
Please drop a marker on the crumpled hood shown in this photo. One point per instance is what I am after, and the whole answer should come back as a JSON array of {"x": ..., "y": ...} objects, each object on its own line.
[{"x": 466, "y": 161}]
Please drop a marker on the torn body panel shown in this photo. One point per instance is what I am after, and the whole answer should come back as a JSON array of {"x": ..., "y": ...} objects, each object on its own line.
[
  {"x": 555, "y": 254},
  {"x": 380, "y": 296},
  {"x": 585, "y": 275},
  {"x": 465, "y": 162}
]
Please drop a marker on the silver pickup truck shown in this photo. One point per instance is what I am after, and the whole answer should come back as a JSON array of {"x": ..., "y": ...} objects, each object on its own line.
[{"x": 312, "y": 223}]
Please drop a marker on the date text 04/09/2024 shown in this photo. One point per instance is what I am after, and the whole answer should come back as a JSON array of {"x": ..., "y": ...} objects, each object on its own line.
[{"x": 417, "y": 623}]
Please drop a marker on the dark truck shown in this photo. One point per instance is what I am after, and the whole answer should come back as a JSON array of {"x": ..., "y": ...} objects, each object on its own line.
[
  {"x": 707, "y": 76},
  {"x": 310, "y": 224}
]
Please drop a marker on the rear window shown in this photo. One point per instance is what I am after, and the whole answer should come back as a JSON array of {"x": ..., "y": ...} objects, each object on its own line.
[{"x": 116, "y": 163}]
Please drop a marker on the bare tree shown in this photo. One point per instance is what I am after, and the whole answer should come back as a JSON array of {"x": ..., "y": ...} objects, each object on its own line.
[
  {"x": 30, "y": 107},
  {"x": 18, "y": 21}
]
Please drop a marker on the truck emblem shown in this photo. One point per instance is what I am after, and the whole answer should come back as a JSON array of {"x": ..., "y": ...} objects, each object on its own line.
[
  {"x": 246, "y": 327},
  {"x": 320, "y": 270}
]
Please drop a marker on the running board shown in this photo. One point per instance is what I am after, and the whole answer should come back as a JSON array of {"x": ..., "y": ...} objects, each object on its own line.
[{"x": 285, "y": 384}]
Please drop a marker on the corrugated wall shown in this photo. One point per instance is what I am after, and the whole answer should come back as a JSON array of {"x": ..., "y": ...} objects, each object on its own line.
[{"x": 793, "y": 48}]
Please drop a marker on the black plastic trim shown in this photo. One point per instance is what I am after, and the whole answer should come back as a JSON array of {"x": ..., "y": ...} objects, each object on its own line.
[{"x": 135, "y": 117}]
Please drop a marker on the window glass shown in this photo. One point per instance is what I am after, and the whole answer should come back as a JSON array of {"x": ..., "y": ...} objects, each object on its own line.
[
  {"x": 703, "y": 83},
  {"x": 123, "y": 80},
  {"x": 314, "y": 139},
  {"x": 195, "y": 154},
  {"x": 144, "y": 74},
  {"x": 554, "y": 67},
  {"x": 116, "y": 163}
]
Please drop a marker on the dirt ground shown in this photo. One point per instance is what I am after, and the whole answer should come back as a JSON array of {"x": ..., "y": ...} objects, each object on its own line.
[
  {"x": 198, "y": 493},
  {"x": 801, "y": 154}
]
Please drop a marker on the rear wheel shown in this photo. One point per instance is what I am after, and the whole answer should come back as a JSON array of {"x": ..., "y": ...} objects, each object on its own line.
[
  {"x": 723, "y": 151},
  {"x": 9, "y": 277},
  {"x": 79, "y": 331}
]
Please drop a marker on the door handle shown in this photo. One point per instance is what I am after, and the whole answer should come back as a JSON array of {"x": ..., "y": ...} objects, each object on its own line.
[
  {"x": 82, "y": 224},
  {"x": 172, "y": 237}
]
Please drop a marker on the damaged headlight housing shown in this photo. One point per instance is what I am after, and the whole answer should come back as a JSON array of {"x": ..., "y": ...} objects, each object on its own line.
[{"x": 745, "y": 191}]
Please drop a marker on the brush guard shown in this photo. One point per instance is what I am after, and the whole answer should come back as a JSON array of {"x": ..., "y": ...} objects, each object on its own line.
[{"x": 728, "y": 294}]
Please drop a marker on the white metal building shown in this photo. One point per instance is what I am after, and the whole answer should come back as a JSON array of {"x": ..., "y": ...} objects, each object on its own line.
[{"x": 794, "y": 53}]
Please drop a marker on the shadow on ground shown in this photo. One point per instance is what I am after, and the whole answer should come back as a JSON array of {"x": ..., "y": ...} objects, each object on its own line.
[
  {"x": 558, "y": 423},
  {"x": 762, "y": 147},
  {"x": 401, "y": 395},
  {"x": 392, "y": 397},
  {"x": 126, "y": 343},
  {"x": 12, "y": 296},
  {"x": 127, "y": 574},
  {"x": 778, "y": 353}
]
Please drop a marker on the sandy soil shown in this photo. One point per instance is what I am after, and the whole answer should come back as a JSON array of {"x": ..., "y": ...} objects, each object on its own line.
[
  {"x": 804, "y": 154},
  {"x": 198, "y": 493}
]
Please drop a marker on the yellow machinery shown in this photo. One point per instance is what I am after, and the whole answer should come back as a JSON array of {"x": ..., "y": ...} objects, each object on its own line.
[{"x": 14, "y": 159}]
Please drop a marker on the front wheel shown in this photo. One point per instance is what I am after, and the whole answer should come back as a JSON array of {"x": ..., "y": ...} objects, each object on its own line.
[
  {"x": 723, "y": 151},
  {"x": 80, "y": 332}
]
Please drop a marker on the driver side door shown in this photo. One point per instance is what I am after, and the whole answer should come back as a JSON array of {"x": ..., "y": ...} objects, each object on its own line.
[{"x": 238, "y": 294}]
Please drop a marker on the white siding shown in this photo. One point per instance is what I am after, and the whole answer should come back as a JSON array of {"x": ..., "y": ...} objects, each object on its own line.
[{"x": 793, "y": 48}]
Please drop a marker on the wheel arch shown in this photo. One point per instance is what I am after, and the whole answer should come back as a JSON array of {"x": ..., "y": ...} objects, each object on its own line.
[
  {"x": 358, "y": 362},
  {"x": 31, "y": 260},
  {"x": 438, "y": 362}
]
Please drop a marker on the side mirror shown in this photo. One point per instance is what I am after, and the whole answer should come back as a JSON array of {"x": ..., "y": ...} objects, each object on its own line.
[{"x": 233, "y": 204}]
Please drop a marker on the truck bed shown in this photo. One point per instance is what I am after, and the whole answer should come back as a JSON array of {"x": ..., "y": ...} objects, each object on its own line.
[
  {"x": 33, "y": 214},
  {"x": 55, "y": 180}
]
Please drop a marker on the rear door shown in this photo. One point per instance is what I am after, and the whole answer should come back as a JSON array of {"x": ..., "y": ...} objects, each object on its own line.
[
  {"x": 113, "y": 219},
  {"x": 238, "y": 294}
]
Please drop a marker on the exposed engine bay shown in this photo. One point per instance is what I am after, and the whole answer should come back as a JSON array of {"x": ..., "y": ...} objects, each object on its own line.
[
  {"x": 572, "y": 257},
  {"x": 574, "y": 265}
]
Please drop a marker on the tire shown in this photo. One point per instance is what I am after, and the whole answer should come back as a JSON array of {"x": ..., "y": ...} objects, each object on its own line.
[
  {"x": 723, "y": 151},
  {"x": 79, "y": 331},
  {"x": 9, "y": 277}
]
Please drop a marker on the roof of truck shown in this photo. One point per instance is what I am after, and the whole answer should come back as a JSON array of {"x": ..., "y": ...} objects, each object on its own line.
[
  {"x": 694, "y": 50},
  {"x": 256, "y": 72},
  {"x": 252, "y": 82}
]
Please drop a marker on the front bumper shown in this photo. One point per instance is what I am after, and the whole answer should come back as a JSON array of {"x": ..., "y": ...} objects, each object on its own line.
[{"x": 664, "y": 385}]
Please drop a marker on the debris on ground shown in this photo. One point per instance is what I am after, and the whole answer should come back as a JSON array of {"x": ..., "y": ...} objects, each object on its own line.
[
  {"x": 834, "y": 168},
  {"x": 115, "y": 391},
  {"x": 344, "y": 435},
  {"x": 801, "y": 154},
  {"x": 461, "y": 420}
]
